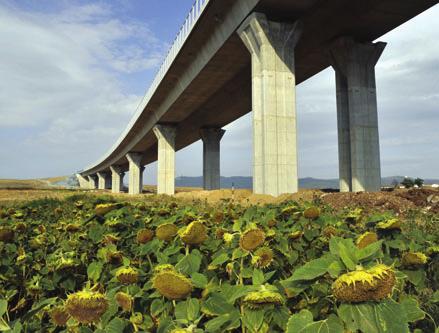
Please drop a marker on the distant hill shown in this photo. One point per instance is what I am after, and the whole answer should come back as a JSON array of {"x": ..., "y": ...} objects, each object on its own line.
[{"x": 307, "y": 183}]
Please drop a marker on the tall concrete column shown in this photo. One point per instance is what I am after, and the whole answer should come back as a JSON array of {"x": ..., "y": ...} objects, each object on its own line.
[
  {"x": 271, "y": 45},
  {"x": 357, "y": 116},
  {"x": 104, "y": 180},
  {"x": 116, "y": 179},
  {"x": 166, "y": 158},
  {"x": 135, "y": 185},
  {"x": 211, "y": 138},
  {"x": 93, "y": 182},
  {"x": 83, "y": 182}
]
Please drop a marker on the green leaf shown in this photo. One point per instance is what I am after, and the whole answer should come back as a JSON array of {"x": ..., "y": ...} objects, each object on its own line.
[
  {"x": 253, "y": 320},
  {"x": 199, "y": 280},
  {"x": 3, "y": 307},
  {"x": 221, "y": 259},
  {"x": 94, "y": 270},
  {"x": 313, "y": 269},
  {"x": 435, "y": 297},
  {"x": 370, "y": 251},
  {"x": 258, "y": 277},
  {"x": 374, "y": 317},
  {"x": 412, "y": 310},
  {"x": 37, "y": 307},
  {"x": 224, "y": 322},
  {"x": 117, "y": 325},
  {"x": 217, "y": 305},
  {"x": 303, "y": 323},
  {"x": 193, "y": 309},
  {"x": 190, "y": 264},
  {"x": 346, "y": 250},
  {"x": 4, "y": 325}
]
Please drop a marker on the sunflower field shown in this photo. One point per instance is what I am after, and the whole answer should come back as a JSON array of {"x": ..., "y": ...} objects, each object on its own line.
[{"x": 94, "y": 264}]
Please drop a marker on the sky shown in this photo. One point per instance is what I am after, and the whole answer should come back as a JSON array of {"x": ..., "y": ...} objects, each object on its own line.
[{"x": 73, "y": 72}]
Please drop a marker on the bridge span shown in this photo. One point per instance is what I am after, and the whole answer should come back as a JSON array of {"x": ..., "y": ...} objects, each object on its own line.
[{"x": 236, "y": 56}]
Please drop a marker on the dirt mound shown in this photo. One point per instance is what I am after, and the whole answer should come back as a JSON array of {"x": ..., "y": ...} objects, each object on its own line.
[
  {"x": 381, "y": 201},
  {"x": 423, "y": 198}
]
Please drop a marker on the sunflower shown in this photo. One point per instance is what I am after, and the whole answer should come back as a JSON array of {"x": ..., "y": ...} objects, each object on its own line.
[
  {"x": 263, "y": 257},
  {"x": 114, "y": 257},
  {"x": 390, "y": 224},
  {"x": 195, "y": 233},
  {"x": 373, "y": 284},
  {"x": 311, "y": 213},
  {"x": 103, "y": 209},
  {"x": 366, "y": 239},
  {"x": 110, "y": 239},
  {"x": 59, "y": 316},
  {"x": 166, "y": 232},
  {"x": 251, "y": 239},
  {"x": 127, "y": 275},
  {"x": 73, "y": 227},
  {"x": 171, "y": 283},
  {"x": 6, "y": 234},
  {"x": 124, "y": 300},
  {"x": 295, "y": 235},
  {"x": 86, "y": 306},
  {"x": 260, "y": 299},
  {"x": 144, "y": 236},
  {"x": 414, "y": 259}
]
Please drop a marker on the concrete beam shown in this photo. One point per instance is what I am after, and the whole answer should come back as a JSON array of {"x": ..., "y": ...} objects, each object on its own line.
[
  {"x": 211, "y": 138},
  {"x": 116, "y": 179},
  {"x": 104, "y": 180},
  {"x": 166, "y": 158},
  {"x": 135, "y": 183},
  {"x": 92, "y": 182},
  {"x": 357, "y": 115},
  {"x": 83, "y": 182},
  {"x": 272, "y": 45}
]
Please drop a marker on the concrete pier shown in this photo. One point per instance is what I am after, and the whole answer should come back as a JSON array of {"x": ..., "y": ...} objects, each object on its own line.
[
  {"x": 116, "y": 179},
  {"x": 211, "y": 138},
  {"x": 104, "y": 180},
  {"x": 84, "y": 183},
  {"x": 166, "y": 158},
  {"x": 272, "y": 45},
  {"x": 135, "y": 182},
  {"x": 357, "y": 116},
  {"x": 92, "y": 182}
]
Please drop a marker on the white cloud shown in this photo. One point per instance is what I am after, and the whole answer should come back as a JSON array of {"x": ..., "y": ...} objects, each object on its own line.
[{"x": 62, "y": 81}]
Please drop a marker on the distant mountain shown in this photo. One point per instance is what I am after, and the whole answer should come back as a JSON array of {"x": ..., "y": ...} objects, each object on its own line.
[{"x": 307, "y": 183}]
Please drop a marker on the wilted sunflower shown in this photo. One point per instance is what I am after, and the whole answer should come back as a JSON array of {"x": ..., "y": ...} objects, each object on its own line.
[
  {"x": 166, "y": 232},
  {"x": 311, "y": 213},
  {"x": 73, "y": 227},
  {"x": 414, "y": 259},
  {"x": 289, "y": 210},
  {"x": 114, "y": 257},
  {"x": 124, "y": 300},
  {"x": 144, "y": 236},
  {"x": 330, "y": 231},
  {"x": 366, "y": 239},
  {"x": 219, "y": 233},
  {"x": 103, "y": 209},
  {"x": 110, "y": 239},
  {"x": 127, "y": 275},
  {"x": 180, "y": 330},
  {"x": 259, "y": 299},
  {"x": 59, "y": 316},
  {"x": 195, "y": 233},
  {"x": 373, "y": 284},
  {"x": 38, "y": 242},
  {"x": 170, "y": 283},
  {"x": 86, "y": 306},
  {"x": 390, "y": 224},
  {"x": 295, "y": 235},
  {"x": 20, "y": 227},
  {"x": 263, "y": 257},
  {"x": 6, "y": 234},
  {"x": 251, "y": 239},
  {"x": 79, "y": 204}
]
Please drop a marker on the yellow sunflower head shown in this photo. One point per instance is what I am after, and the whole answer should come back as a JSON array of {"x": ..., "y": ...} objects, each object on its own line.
[
  {"x": 414, "y": 259},
  {"x": 366, "y": 239},
  {"x": 228, "y": 238},
  {"x": 166, "y": 232},
  {"x": 103, "y": 209},
  {"x": 124, "y": 300},
  {"x": 295, "y": 235},
  {"x": 59, "y": 316},
  {"x": 263, "y": 257},
  {"x": 311, "y": 213},
  {"x": 263, "y": 298},
  {"x": 195, "y": 233},
  {"x": 373, "y": 284},
  {"x": 6, "y": 234},
  {"x": 171, "y": 284},
  {"x": 390, "y": 224},
  {"x": 127, "y": 275},
  {"x": 251, "y": 239},
  {"x": 144, "y": 236},
  {"x": 86, "y": 306}
]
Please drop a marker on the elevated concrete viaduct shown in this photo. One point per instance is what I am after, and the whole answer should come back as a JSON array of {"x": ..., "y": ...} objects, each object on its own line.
[{"x": 236, "y": 56}]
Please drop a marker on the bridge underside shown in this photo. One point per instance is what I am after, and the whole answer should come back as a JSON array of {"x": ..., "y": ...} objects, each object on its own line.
[{"x": 209, "y": 84}]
